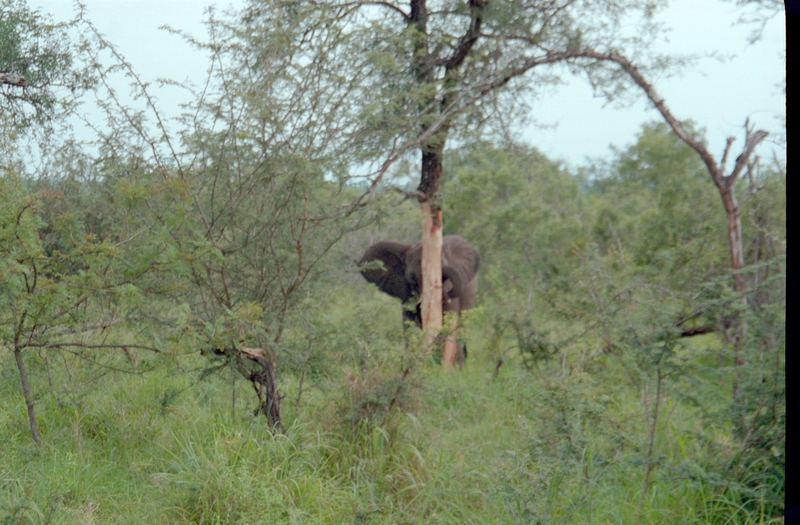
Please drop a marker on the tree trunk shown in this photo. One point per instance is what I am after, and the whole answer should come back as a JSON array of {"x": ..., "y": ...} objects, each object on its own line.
[
  {"x": 733, "y": 212},
  {"x": 433, "y": 151},
  {"x": 431, "y": 300},
  {"x": 26, "y": 392},
  {"x": 450, "y": 344}
]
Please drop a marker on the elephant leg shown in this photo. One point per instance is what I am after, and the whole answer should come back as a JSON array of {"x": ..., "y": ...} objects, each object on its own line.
[{"x": 461, "y": 353}]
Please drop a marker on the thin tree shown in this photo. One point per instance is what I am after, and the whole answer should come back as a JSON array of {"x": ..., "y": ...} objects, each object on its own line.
[{"x": 724, "y": 180}]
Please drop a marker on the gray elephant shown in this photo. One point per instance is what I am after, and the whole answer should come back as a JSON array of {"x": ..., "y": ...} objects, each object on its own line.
[{"x": 401, "y": 276}]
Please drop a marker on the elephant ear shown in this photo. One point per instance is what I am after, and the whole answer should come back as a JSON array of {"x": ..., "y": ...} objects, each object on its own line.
[
  {"x": 391, "y": 278},
  {"x": 460, "y": 264}
]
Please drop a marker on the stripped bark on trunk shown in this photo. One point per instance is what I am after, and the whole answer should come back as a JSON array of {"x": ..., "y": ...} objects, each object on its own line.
[{"x": 431, "y": 300}]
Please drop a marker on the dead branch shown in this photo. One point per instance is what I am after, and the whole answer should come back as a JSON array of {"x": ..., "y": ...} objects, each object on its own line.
[
  {"x": 264, "y": 383},
  {"x": 752, "y": 138}
]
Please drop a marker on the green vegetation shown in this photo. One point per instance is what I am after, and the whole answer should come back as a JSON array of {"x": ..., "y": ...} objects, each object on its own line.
[
  {"x": 151, "y": 284},
  {"x": 473, "y": 450}
]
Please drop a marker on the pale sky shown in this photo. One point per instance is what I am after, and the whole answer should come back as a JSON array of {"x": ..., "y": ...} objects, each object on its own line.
[{"x": 719, "y": 96}]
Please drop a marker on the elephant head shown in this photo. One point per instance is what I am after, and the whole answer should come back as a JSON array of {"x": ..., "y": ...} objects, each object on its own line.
[{"x": 401, "y": 275}]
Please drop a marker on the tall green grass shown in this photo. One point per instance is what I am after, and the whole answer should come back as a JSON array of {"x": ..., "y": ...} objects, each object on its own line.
[{"x": 556, "y": 445}]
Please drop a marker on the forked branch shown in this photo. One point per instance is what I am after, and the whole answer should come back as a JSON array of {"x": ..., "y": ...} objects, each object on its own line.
[{"x": 752, "y": 138}]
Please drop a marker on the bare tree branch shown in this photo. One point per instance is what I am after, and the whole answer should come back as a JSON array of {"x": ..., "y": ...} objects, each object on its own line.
[
  {"x": 469, "y": 38},
  {"x": 359, "y": 3},
  {"x": 85, "y": 345},
  {"x": 752, "y": 139}
]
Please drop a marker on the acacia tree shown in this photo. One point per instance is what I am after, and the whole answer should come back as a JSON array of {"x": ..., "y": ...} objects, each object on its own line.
[
  {"x": 68, "y": 300},
  {"x": 253, "y": 192},
  {"x": 80, "y": 300},
  {"x": 433, "y": 71},
  {"x": 725, "y": 182},
  {"x": 757, "y": 404}
]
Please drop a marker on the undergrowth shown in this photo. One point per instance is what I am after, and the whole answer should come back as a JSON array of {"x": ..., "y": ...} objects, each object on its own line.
[{"x": 552, "y": 445}]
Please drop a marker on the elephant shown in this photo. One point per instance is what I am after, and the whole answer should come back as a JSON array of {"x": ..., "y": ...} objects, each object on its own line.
[{"x": 401, "y": 276}]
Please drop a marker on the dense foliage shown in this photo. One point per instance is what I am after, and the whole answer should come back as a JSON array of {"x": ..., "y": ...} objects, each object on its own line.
[{"x": 150, "y": 281}]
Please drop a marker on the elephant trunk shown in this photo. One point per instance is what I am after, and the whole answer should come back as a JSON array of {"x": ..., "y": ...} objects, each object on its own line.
[{"x": 456, "y": 279}]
